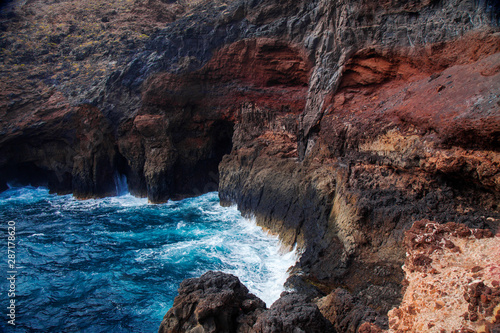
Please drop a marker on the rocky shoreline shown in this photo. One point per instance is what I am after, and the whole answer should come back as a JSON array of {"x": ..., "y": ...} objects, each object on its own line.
[
  {"x": 451, "y": 284},
  {"x": 337, "y": 124}
]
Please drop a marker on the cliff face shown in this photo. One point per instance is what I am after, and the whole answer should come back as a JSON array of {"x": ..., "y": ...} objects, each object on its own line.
[
  {"x": 337, "y": 124},
  {"x": 384, "y": 155},
  {"x": 392, "y": 132}
]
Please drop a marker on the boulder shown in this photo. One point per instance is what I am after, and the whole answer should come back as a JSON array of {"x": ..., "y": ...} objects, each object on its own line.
[{"x": 214, "y": 302}]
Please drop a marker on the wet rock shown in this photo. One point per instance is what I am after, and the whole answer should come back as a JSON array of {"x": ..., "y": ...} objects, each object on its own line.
[
  {"x": 94, "y": 163},
  {"x": 218, "y": 302},
  {"x": 304, "y": 288}
]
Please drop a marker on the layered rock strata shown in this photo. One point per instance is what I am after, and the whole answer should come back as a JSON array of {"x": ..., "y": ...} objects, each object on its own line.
[
  {"x": 337, "y": 124},
  {"x": 380, "y": 161}
]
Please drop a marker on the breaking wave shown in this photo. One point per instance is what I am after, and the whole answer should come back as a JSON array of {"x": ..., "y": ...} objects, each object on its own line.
[{"x": 114, "y": 264}]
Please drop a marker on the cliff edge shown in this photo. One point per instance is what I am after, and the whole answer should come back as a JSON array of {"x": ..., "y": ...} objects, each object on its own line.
[{"x": 337, "y": 124}]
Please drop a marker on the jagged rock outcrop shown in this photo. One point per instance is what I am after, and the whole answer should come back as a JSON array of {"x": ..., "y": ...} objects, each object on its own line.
[
  {"x": 218, "y": 302},
  {"x": 69, "y": 149},
  {"x": 292, "y": 313},
  {"x": 191, "y": 117},
  {"x": 347, "y": 314},
  {"x": 215, "y": 302},
  {"x": 336, "y": 123}
]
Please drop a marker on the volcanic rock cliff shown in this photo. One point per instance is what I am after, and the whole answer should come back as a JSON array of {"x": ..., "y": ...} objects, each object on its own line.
[{"x": 336, "y": 123}]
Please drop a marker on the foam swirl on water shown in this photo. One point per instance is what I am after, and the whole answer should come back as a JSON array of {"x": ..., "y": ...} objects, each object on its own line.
[{"x": 114, "y": 264}]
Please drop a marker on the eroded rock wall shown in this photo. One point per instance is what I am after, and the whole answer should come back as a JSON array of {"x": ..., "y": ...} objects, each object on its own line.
[
  {"x": 401, "y": 139},
  {"x": 208, "y": 61},
  {"x": 336, "y": 123}
]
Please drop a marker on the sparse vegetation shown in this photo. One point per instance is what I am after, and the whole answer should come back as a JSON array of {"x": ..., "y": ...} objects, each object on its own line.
[
  {"x": 72, "y": 45},
  {"x": 189, "y": 3},
  {"x": 71, "y": 42}
]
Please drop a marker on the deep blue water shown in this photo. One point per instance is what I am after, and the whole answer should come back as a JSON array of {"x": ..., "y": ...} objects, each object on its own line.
[{"x": 114, "y": 264}]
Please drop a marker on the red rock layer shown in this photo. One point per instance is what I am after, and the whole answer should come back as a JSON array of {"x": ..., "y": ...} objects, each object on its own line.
[
  {"x": 189, "y": 118},
  {"x": 263, "y": 71},
  {"x": 405, "y": 137}
]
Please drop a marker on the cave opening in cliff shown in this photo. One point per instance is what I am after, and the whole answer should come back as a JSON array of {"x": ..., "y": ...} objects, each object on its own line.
[
  {"x": 222, "y": 144},
  {"x": 204, "y": 177},
  {"x": 222, "y": 134},
  {"x": 29, "y": 174},
  {"x": 196, "y": 170}
]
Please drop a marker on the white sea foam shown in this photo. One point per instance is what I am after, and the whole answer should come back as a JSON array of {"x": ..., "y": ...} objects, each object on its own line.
[
  {"x": 24, "y": 194},
  {"x": 128, "y": 200},
  {"x": 238, "y": 245},
  {"x": 259, "y": 261},
  {"x": 212, "y": 237}
]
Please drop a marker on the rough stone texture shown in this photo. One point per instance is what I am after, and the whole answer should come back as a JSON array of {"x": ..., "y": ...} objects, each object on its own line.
[
  {"x": 95, "y": 161},
  {"x": 218, "y": 302},
  {"x": 346, "y": 314},
  {"x": 452, "y": 280},
  {"x": 397, "y": 27},
  {"x": 336, "y": 123},
  {"x": 379, "y": 162},
  {"x": 292, "y": 313},
  {"x": 194, "y": 113},
  {"x": 211, "y": 61},
  {"x": 215, "y": 302},
  {"x": 66, "y": 148}
]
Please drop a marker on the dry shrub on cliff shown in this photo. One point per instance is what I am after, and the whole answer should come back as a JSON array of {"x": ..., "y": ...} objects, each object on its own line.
[
  {"x": 189, "y": 3},
  {"x": 68, "y": 43}
]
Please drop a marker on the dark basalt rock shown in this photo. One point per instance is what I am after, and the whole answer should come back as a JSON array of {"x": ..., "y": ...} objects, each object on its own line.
[
  {"x": 218, "y": 302},
  {"x": 347, "y": 314},
  {"x": 292, "y": 313},
  {"x": 215, "y": 302}
]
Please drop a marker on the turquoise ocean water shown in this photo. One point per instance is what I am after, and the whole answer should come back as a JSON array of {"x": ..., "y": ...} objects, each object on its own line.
[{"x": 114, "y": 264}]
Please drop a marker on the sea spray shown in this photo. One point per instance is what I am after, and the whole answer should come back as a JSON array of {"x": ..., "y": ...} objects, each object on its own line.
[
  {"x": 120, "y": 184},
  {"x": 115, "y": 264}
]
